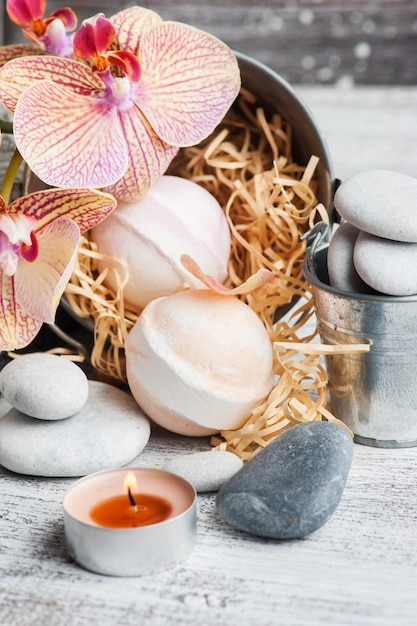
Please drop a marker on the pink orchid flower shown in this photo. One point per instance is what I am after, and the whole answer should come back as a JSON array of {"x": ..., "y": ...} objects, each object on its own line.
[
  {"x": 50, "y": 32},
  {"x": 39, "y": 237},
  {"x": 118, "y": 121}
]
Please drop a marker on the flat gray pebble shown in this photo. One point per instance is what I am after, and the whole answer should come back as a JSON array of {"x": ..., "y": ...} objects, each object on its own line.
[
  {"x": 388, "y": 266},
  {"x": 380, "y": 202},
  {"x": 206, "y": 470},
  {"x": 292, "y": 487},
  {"x": 45, "y": 386},
  {"x": 109, "y": 431}
]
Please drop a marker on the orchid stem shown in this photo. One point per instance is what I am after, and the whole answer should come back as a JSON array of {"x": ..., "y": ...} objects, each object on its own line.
[
  {"x": 6, "y": 127},
  {"x": 10, "y": 176}
]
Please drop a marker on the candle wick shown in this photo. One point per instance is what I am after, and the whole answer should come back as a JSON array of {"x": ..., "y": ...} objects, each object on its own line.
[{"x": 132, "y": 499}]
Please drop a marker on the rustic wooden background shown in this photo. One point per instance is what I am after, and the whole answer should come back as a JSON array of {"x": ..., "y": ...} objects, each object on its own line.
[{"x": 309, "y": 42}]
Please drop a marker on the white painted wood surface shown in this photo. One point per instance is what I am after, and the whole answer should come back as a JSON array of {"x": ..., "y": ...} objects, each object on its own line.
[{"x": 359, "y": 569}]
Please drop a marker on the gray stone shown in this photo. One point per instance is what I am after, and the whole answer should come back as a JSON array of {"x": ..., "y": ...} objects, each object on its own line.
[
  {"x": 342, "y": 272},
  {"x": 388, "y": 266},
  {"x": 207, "y": 470},
  {"x": 109, "y": 431},
  {"x": 292, "y": 487},
  {"x": 45, "y": 386},
  {"x": 381, "y": 203}
]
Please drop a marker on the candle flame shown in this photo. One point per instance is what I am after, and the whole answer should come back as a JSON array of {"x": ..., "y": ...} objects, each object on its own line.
[{"x": 130, "y": 482}]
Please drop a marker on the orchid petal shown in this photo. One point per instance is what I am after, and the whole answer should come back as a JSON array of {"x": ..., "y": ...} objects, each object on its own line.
[
  {"x": 86, "y": 207},
  {"x": 35, "y": 38},
  {"x": 128, "y": 62},
  {"x": 69, "y": 140},
  {"x": 9, "y": 95},
  {"x": 130, "y": 24},
  {"x": 40, "y": 284},
  {"x": 17, "y": 328},
  {"x": 94, "y": 37},
  {"x": 148, "y": 157},
  {"x": 8, "y": 256},
  {"x": 67, "y": 17},
  {"x": 189, "y": 81},
  {"x": 23, "y": 12},
  {"x": 56, "y": 41},
  {"x": 18, "y": 74},
  {"x": 254, "y": 282},
  {"x": 7, "y": 53},
  {"x": 29, "y": 251},
  {"x": 18, "y": 228}
]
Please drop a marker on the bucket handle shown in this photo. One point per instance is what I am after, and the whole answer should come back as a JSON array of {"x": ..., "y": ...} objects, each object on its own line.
[{"x": 317, "y": 238}]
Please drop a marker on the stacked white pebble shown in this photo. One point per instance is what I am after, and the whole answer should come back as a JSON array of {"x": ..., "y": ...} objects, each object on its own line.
[
  {"x": 60, "y": 424},
  {"x": 44, "y": 386},
  {"x": 376, "y": 247}
]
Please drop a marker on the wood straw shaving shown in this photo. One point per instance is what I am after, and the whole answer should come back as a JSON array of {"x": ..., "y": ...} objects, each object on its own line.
[{"x": 269, "y": 202}]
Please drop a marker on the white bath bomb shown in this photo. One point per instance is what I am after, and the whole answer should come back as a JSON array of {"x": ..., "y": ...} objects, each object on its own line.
[
  {"x": 176, "y": 217},
  {"x": 198, "y": 362}
]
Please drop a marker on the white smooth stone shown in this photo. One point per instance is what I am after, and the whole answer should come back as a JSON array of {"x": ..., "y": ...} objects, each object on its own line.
[
  {"x": 342, "y": 271},
  {"x": 380, "y": 202},
  {"x": 206, "y": 470},
  {"x": 4, "y": 407},
  {"x": 110, "y": 431},
  {"x": 390, "y": 267},
  {"x": 45, "y": 386}
]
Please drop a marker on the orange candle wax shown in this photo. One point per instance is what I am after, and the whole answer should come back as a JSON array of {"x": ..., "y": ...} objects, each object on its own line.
[{"x": 118, "y": 512}]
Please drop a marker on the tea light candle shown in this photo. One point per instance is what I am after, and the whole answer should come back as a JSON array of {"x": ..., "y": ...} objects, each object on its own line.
[{"x": 129, "y": 522}]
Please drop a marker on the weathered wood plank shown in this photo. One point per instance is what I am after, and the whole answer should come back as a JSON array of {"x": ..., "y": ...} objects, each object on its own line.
[{"x": 306, "y": 41}]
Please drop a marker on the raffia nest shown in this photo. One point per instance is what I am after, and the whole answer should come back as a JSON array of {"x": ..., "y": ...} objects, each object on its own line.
[{"x": 269, "y": 201}]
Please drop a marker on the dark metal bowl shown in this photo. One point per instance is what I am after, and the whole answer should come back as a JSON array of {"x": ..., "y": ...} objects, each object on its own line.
[{"x": 277, "y": 96}]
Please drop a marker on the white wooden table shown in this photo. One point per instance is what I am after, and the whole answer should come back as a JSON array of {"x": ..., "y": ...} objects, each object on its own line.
[{"x": 359, "y": 569}]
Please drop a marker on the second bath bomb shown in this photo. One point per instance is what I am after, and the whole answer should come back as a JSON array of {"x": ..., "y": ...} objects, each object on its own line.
[{"x": 198, "y": 362}]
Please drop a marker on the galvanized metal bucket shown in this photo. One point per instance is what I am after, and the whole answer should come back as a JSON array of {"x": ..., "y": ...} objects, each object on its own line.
[{"x": 374, "y": 393}]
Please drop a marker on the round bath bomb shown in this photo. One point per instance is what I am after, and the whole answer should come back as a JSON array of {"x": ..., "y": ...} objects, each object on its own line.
[
  {"x": 198, "y": 362},
  {"x": 176, "y": 217},
  {"x": 381, "y": 203}
]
